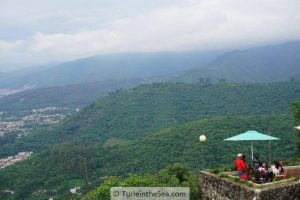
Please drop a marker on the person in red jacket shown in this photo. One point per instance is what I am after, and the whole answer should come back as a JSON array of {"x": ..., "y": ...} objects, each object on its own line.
[{"x": 241, "y": 166}]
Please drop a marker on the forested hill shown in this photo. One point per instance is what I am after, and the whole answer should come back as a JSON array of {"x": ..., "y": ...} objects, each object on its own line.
[
  {"x": 146, "y": 128},
  {"x": 149, "y": 108},
  {"x": 260, "y": 64},
  {"x": 72, "y": 96},
  {"x": 61, "y": 167}
]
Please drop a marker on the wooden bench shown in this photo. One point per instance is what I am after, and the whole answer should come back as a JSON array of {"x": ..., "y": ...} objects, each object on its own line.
[{"x": 289, "y": 172}]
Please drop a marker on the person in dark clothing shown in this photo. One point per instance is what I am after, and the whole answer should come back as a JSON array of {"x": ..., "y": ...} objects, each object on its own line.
[{"x": 256, "y": 165}]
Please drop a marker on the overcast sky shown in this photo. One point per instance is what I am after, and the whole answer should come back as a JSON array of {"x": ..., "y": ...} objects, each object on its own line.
[{"x": 41, "y": 31}]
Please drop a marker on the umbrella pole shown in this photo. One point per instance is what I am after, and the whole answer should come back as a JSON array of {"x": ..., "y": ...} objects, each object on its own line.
[
  {"x": 252, "y": 150},
  {"x": 270, "y": 152}
]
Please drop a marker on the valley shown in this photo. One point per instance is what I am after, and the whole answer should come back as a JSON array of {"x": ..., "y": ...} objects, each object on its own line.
[{"x": 148, "y": 128}]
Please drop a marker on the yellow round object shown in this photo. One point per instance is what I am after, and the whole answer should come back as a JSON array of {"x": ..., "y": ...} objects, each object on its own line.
[{"x": 202, "y": 138}]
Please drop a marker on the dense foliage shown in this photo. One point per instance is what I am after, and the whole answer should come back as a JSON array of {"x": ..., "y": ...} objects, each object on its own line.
[
  {"x": 144, "y": 129},
  {"x": 61, "y": 167},
  {"x": 150, "y": 108},
  {"x": 296, "y": 113},
  {"x": 176, "y": 175},
  {"x": 53, "y": 172},
  {"x": 181, "y": 144}
]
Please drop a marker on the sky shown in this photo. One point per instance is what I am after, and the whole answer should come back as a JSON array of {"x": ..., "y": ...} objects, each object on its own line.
[{"x": 49, "y": 31}]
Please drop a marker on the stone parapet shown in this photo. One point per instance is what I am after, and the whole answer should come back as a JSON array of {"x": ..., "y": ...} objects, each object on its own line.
[{"x": 215, "y": 187}]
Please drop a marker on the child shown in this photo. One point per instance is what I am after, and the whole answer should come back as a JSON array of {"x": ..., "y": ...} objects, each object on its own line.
[
  {"x": 265, "y": 173},
  {"x": 263, "y": 169}
]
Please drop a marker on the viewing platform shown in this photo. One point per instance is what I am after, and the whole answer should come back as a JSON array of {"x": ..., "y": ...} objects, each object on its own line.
[{"x": 227, "y": 186}]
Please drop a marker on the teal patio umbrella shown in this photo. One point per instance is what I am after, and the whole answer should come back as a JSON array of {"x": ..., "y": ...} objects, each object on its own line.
[{"x": 251, "y": 136}]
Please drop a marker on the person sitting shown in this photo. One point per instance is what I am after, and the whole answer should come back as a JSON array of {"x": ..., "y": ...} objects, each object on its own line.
[
  {"x": 265, "y": 173},
  {"x": 263, "y": 169},
  {"x": 277, "y": 168},
  {"x": 256, "y": 166},
  {"x": 256, "y": 163},
  {"x": 241, "y": 167}
]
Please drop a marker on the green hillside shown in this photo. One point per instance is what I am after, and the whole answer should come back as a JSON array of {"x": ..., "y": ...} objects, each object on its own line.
[
  {"x": 259, "y": 64},
  {"x": 72, "y": 96},
  {"x": 150, "y": 108},
  {"x": 146, "y": 128},
  {"x": 295, "y": 109},
  {"x": 175, "y": 175},
  {"x": 181, "y": 144},
  {"x": 64, "y": 166}
]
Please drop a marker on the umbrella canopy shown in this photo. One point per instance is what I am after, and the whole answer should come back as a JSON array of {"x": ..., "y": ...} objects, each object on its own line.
[
  {"x": 251, "y": 136},
  {"x": 297, "y": 128}
]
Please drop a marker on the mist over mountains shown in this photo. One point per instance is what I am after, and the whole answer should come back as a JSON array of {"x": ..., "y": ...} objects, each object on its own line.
[
  {"x": 146, "y": 66},
  {"x": 79, "y": 83},
  {"x": 72, "y": 96},
  {"x": 261, "y": 64}
]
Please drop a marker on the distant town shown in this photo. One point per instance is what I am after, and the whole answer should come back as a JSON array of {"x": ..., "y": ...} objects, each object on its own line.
[
  {"x": 19, "y": 124},
  {"x": 5, "y": 162}
]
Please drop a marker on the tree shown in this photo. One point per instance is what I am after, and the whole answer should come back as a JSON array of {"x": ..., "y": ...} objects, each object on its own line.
[
  {"x": 296, "y": 114},
  {"x": 176, "y": 175},
  {"x": 296, "y": 111}
]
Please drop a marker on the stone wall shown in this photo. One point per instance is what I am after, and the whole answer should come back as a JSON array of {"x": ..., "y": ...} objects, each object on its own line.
[
  {"x": 281, "y": 193},
  {"x": 217, "y": 188}
]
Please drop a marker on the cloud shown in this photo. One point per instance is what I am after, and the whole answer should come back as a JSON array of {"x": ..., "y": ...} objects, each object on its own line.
[{"x": 177, "y": 26}]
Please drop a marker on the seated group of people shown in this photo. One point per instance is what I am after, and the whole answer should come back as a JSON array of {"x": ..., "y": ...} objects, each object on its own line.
[{"x": 259, "y": 169}]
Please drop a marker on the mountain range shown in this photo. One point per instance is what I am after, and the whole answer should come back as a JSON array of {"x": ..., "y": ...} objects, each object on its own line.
[
  {"x": 260, "y": 64},
  {"x": 81, "y": 82},
  {"x": 107, "y": 67},
  {"x": 71, "y": 96}
]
